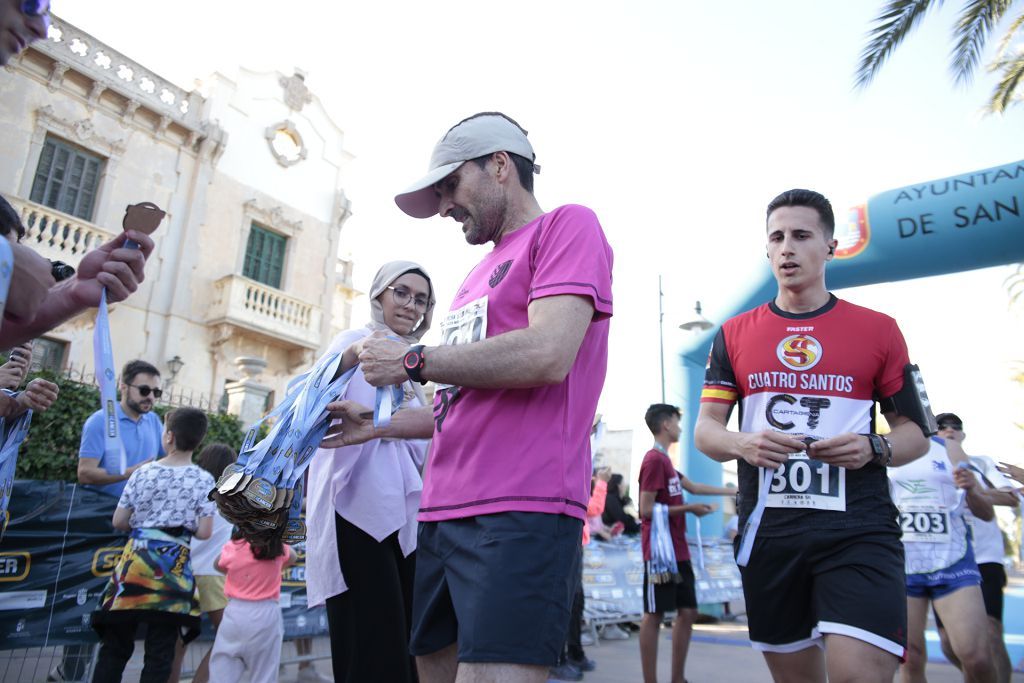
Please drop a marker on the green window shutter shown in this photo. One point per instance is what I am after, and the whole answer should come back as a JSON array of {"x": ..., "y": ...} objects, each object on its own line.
[
  {"x": 67, "y": 179},
  {"x": 264, "y": 256}
]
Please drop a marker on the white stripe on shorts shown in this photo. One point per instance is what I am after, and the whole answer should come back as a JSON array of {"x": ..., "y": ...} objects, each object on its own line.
[
  {"x": 860, "y": 634},
  {"x": 786, "y": 648}
]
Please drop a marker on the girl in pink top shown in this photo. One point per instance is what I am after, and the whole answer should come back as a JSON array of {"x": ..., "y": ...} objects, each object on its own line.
[{"x": 250, "y": 633}]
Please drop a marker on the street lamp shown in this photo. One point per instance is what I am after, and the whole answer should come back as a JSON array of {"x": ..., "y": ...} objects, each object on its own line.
[
  {"x": 699, "y": 323},
  {"x": 174, "y": 365}
]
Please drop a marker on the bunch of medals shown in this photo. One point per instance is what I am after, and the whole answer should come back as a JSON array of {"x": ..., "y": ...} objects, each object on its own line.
[
  {"x": 12, "y": 434},
  {"x": 261, "y": 493}
]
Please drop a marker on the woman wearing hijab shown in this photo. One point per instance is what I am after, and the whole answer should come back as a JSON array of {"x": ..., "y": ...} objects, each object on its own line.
[{"x": 362, "y": 504}]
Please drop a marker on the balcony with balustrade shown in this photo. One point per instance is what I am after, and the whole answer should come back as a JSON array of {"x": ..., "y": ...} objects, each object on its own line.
[
  {"x": 265, "y": 312},
  {"x": 56, "y": 235}
]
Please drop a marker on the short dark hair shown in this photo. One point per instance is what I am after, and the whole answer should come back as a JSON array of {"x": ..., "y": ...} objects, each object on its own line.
[
  {"x": 188, "y": 425},
  {"x": 215, "y": 457},
  {"x": 657, "y": 414},
  {"x": 137, "y": 367},
  {"x": 10, "y": 221},
  {"x": 810, "y": 199},
  {"x": 524, "y": 168}
]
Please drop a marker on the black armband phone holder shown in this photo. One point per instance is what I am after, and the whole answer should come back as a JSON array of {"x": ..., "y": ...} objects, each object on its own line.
[{"x": 911, "y": 401}]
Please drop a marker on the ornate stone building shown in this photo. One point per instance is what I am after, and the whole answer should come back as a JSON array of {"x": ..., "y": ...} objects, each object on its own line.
[{"x": 250, "y": 172}]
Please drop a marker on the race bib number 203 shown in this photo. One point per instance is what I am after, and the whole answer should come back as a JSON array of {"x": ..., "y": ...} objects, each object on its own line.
[{"x": 801, "y": 482}]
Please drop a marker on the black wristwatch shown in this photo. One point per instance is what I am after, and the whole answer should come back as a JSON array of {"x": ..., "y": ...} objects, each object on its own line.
[
  {"x": 413, "y": 363},
  {"x": 880, "y": 455}
]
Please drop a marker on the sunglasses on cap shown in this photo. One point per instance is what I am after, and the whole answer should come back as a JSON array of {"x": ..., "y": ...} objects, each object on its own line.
[{"x": 145, "y": 390}]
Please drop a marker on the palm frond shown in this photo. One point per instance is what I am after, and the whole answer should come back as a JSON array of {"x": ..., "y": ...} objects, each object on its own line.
[
  {"x": 895, "y": 23},
  {"x": 1006, "y": 90},
  {"x": 1004, "y": 44},
  {"x": 971, "y": 33},
  {"x": 1015, "y": 288}
]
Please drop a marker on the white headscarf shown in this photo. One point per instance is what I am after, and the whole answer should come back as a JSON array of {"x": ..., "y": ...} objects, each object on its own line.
[{"x": 387, "y": 274}]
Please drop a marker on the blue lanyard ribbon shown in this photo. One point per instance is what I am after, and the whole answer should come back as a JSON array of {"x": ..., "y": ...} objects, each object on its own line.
[
  {"x": 13, "y": 434},
  {"x": 6, "y": 271},
  {"x": 103, "y": 359}
]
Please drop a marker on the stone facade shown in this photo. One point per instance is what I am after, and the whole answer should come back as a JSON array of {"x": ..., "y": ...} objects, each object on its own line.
[{"x": 256, "y": 149}]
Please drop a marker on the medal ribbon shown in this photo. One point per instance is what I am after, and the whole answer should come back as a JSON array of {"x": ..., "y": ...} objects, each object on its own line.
[
  {"x": 700, "y": 544},
  {"x": 103, "y": 359},
  {"x": 663, "y": 556},
  {"x": 754, "y": 520},
  {"x": 14, "y": 432},
  {"x": 6, "y": 270}
]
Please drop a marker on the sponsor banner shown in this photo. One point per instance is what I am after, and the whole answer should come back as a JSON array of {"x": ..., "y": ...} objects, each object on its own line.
[
  {"x": 57, "y": 555},
  {"x": 613, "y": 577}
]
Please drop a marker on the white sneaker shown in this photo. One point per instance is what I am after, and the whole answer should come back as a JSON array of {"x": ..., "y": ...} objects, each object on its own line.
[
  {"x": 586, "y": 640},
  {"x": 613, "y": 632},
  {"x": 311, "y": 675}
]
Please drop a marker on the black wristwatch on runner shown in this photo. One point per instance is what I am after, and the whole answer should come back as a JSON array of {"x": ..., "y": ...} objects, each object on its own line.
[
  {"x": 413, "y": 363},
  {"x": 880, "y": 455}
]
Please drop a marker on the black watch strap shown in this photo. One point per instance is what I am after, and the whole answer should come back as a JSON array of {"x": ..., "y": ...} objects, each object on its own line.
[{"x": 413, "y": 363}]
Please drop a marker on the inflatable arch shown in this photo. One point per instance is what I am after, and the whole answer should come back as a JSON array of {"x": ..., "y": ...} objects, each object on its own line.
[{"x": 964, "y": 222}]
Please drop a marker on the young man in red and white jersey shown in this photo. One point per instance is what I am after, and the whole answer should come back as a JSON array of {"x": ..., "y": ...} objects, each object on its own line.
[{"x": 823, "y": 577}]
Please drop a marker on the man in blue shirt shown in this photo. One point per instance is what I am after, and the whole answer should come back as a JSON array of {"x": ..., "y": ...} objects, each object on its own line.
[{"x": 140, "y": 431}]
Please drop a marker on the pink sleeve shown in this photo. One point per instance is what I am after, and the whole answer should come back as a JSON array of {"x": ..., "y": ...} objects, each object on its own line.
[
  {"x": 597, "y": 498},
  {"x": 572, "y": 256}
]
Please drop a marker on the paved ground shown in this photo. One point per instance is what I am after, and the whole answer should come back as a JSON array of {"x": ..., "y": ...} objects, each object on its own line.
[{"x": 719, "y": 653}]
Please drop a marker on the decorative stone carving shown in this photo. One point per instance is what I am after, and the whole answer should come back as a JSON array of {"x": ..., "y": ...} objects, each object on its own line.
[
  {"x": 57, "y": 76},
  {"x": 296, "y": 94},
  {"x": 273, "y": 217},
  {"x": 161, "y": 127},
  {"x": 286, "y": 143},
  {"x": 83, "y": 130},
  {"x": 220, "y": 335},
  {"x": 342, "y": 208},
  {"x": 95, "y": 93}
]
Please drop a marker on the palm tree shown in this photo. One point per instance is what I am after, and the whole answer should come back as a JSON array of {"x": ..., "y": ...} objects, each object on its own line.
[{"x": 973, "y": 27}]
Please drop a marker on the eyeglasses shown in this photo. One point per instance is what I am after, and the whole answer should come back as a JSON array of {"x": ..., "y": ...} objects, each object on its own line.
[
  {"x": 145, "y": 391},
  {"x": 402, "y": 297},
  {"x": 35, "y": 8},
  {"x": 950, "y": 425}
]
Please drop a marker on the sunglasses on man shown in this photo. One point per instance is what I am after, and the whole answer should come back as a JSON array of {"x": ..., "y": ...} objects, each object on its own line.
[
  {"x": 951, "y": 425},
  {"x": 145, "y": 390}
]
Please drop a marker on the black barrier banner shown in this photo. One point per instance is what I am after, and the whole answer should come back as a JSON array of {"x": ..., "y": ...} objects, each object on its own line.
[
  {"x": 56, "y": 557},
  {"x": 613, "y": 577}
]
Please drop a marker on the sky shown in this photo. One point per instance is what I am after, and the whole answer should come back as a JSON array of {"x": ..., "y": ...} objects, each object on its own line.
[{"x": 675, "y": 121}]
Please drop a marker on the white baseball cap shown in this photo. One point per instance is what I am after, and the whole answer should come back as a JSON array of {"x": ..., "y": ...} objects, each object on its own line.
[{"x": 479, "y": 135}]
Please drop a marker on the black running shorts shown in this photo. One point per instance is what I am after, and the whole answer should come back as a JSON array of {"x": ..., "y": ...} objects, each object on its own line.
[
  {"x": 500, "y": 585},
  {"x": 669, "y": 597},
  {"x": 848, "y": 582}
]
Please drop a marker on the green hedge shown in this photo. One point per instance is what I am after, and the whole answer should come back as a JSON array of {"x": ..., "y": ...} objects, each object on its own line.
[{"x": 51, "y": 449}]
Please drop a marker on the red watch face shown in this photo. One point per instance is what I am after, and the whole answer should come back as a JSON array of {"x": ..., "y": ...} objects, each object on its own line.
[{"x": 412, "y": 360}]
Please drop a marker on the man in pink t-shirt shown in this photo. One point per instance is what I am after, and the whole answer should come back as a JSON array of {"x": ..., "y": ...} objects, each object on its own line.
[{"x": 519, "y": 372}]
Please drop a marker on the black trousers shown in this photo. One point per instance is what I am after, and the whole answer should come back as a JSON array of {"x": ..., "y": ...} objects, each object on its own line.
[
  {"x": 118, "y": 643},
  {"x": 369, "y": 623}
]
